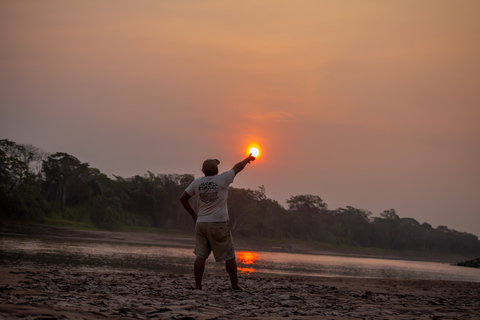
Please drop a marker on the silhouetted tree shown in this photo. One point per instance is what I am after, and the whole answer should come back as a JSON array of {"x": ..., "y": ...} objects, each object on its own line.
[
  {"x": 308, "y": 217},
  {"x": 66, "y": 179},
  {"x": 352, "y": 226},
  {"x": 19, "y": 191}
]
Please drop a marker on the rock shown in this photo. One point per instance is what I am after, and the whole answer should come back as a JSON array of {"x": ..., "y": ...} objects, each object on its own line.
[{"x": 475, "y": 263}]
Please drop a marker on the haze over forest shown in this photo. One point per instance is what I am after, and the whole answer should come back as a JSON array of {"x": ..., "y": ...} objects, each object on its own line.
[
  {"x": 59, "y": 188},
  {"x": 367, "y": 104}
]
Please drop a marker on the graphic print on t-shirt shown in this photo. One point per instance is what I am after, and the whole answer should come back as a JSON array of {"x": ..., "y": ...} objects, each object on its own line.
[{"x": 208, "y": 191}]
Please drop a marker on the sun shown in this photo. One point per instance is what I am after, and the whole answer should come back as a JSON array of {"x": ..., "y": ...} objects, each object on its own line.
[{"x": 254, "y": 149}]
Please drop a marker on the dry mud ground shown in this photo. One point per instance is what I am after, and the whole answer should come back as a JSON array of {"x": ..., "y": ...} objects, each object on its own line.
[
  {"x": 62, "y": 294},
  {"x": 57, "y": 294}
]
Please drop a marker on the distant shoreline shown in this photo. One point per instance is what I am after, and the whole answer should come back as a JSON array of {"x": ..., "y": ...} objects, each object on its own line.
[{"x": 186, "y": 240}]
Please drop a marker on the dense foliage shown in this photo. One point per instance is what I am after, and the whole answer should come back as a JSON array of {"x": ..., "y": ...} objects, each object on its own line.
[{"x": 35, "y": 186}]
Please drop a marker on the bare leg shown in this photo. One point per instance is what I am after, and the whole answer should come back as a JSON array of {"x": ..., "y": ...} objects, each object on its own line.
[
  {"x": 231, "y": 266},
  {"x": 198, "y": 268}
]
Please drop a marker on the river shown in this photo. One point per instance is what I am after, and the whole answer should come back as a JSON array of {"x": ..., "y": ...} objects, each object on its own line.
[{"x": 43, "y": 253}]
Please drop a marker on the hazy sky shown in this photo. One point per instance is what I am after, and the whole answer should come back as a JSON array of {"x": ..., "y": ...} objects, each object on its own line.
[{"x": 370, "y": 104}]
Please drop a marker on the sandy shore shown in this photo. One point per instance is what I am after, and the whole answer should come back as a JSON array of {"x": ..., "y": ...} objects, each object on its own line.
[
  {"x": 57, "y": 294},
  {"x": 62, "y": 294}
]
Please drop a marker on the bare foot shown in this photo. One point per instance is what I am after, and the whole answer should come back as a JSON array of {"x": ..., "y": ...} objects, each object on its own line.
[{"x": 239, "y": 288}]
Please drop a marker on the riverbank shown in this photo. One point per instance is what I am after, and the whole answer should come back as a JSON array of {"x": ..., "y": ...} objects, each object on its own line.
[
  {"x": 66, "y": 293},
  {"x": 59, "y": 294},
  {"x": 188, "y": 241}
]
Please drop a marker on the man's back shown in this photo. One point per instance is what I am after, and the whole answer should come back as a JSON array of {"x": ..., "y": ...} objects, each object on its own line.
[{"x": 211, "y": 194}]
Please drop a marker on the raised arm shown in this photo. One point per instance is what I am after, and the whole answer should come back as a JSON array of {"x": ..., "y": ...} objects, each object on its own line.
[{"x": 241, "y": 165}]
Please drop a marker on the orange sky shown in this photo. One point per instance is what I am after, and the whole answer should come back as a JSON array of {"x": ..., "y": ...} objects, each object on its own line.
[{"x": 370, "y": 104}]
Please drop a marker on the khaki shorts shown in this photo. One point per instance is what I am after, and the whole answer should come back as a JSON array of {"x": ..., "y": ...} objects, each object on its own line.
[{"x": 216, "y": 237}]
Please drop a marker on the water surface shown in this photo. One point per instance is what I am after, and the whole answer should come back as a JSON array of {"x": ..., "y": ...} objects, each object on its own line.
[{"x": 47, "y": 253}]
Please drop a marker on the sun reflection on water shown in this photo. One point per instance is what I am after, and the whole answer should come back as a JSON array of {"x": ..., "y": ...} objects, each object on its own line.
[{"x": 247, "y": 260}]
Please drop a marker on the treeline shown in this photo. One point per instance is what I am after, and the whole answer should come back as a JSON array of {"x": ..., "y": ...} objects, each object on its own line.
[{"x": 37, "y": 187}]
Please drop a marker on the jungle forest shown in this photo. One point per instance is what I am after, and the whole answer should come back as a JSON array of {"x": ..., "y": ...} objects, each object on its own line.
[{"x": 37, "y": 187}]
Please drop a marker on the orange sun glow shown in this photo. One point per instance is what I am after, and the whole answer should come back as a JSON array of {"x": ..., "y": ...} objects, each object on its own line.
[{"x": 247, "y": 257}]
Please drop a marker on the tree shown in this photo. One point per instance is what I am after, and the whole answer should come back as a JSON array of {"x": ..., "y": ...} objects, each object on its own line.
[
  {"x": 389, "y": 231},
  {"x": 29, "y": 154},
  {"x": 268, "y": 218},
  {"x": 19, "y": 192},
  {"x": 253, "y": 214},
  {"x": 308, "y": 217},
  {"x": 107, "y": 213},
  {"x": 153, "y": 199},
  {"x": 352, "y": 225},
  {"x": 13, "y": 172},
  {"x": 306, "y": 203},
  {"x": 66, "y": 179},
  {"x": 241, "y": 208},
  {"x": 389, "y": 215}
]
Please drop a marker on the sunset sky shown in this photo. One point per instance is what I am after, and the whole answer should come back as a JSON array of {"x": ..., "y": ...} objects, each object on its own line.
[{"x": 370, "y": 104}]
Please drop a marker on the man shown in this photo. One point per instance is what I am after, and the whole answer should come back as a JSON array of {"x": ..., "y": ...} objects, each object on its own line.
[{"x": 211, "y": 218}]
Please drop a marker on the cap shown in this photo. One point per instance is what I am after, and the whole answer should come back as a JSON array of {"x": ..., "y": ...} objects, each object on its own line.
[{"x": 210, "y": 165}]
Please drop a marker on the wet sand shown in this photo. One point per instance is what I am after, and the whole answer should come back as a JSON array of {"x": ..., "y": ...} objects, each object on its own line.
[{"x": 57, "y": 294}]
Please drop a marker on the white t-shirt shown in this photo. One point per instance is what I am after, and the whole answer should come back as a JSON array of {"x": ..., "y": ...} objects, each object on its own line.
[{"x": 211, "y": 193}]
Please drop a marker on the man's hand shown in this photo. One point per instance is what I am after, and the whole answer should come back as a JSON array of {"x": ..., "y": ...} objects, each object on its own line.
[
  {"x": 194, "y": 217},
  {"x": 186, "y": 204},
  {"x": 241, "y": 165}
]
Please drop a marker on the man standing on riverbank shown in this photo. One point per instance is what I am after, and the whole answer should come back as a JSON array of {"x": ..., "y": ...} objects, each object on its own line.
[{"x": 211, "y": 218}]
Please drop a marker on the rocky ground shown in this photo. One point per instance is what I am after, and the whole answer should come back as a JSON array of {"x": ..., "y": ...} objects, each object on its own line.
[{"x": 57, "y": 294}]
